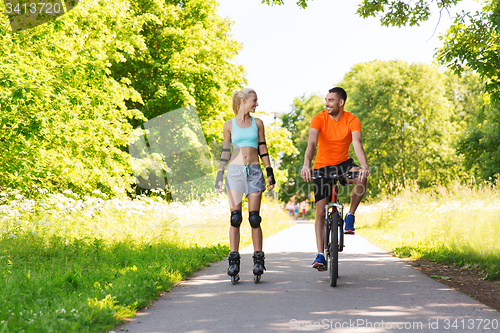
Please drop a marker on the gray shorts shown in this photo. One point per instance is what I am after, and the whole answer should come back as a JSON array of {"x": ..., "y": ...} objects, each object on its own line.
[{"x": 245, "y": 179}]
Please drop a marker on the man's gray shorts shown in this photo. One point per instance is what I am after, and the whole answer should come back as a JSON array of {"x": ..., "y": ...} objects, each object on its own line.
[{"x": 245, "y": 178}]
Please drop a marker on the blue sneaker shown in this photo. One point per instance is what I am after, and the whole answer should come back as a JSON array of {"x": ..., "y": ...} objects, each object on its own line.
[
  {"x": 320, "y": 262},
  {"x": 349, "y": 224}
]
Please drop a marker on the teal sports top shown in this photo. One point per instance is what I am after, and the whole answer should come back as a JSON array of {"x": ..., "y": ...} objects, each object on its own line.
[{"x": 245, "y": 137}]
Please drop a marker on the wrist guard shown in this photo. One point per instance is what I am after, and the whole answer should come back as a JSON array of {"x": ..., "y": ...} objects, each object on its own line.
[
  {"x": 270, "y": 174},
  {"x": 220, "y": 176}
]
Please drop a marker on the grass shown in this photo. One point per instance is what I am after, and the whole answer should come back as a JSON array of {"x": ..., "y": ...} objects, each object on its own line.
[
  {"x": 70, "y": 264},
  {"x": 456, "y": 225}
]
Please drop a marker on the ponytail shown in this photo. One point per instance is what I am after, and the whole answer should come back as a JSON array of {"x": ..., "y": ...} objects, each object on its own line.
[{"x": 238, "y": 95}]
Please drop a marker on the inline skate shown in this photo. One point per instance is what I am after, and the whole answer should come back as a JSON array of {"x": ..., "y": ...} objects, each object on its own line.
[
  {"x": 234, "y": 266},
  {"x": 258, "y": 265}
]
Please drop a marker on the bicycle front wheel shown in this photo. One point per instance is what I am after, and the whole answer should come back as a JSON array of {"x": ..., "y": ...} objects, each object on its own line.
[{"x": 334, "y": 250}]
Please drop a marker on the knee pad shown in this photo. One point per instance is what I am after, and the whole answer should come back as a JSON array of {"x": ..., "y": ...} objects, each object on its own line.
[
  {"x": 236, "y": 218},
  {"x": 254, "y": 219}
]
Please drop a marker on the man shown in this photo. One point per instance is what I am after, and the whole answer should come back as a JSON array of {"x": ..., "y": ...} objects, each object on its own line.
[{"x": 333, "y": 130}]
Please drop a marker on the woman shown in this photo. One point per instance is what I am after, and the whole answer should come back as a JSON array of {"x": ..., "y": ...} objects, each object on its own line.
[{"x": 244, "y": 175}]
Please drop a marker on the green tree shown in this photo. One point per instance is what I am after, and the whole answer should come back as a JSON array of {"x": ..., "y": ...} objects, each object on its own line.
[
  {"x": 392, "y": 12},
  {"x": 71, "y": 89},
  {"x": 280, "y": 144},
  {"x": 465, "y": 92},
  {"x": 473, "y": 42},
  {"x": 400, "y": 13},
  {"x": 410, "y": 116},
  {"x": 297, "y": 122},
  {"x": 407, "y": 121},
  {"x": 300, "y": 3},
  {"x": 63, "y": 119},
  {"x": 187, "y": 61}
]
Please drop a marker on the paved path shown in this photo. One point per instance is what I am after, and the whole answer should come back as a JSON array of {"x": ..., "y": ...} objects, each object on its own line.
[{"x": 375, "y": 293}]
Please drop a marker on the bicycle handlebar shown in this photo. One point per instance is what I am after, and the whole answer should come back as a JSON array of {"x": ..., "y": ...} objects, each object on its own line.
[{"x": 325, "y": 173}]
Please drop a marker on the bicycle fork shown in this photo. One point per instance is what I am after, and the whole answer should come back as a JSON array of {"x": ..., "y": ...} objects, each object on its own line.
[{"x": 335, "y": 209}]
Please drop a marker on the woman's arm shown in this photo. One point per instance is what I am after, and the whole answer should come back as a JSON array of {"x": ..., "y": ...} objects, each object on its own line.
[
  {"x": 264, "y": 154},
  {"x": 262, "y": 148},
  {"x": 225, "y": 155}
]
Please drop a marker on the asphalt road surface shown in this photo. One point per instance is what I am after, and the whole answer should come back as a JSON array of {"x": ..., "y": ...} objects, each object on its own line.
[{"x": 375, "y": 293}]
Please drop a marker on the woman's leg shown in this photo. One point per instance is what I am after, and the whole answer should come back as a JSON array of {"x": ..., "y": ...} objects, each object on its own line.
[
  {"x": 235, "y": 199},
  {"x": 254, "y": 200}
]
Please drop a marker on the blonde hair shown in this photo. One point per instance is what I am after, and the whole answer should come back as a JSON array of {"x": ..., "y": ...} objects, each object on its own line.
[{"x": 238, "y": 95}]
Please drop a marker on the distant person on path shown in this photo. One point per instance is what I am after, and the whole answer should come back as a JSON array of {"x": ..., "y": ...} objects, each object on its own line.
[
  {"x": 296, "y": 210},
  {"x": 332, "y": 131},
  {"x": 244, "y": 175}
]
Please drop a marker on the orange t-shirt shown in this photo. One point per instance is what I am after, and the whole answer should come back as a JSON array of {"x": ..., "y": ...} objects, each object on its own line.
[{"x": 334, "y": 138}]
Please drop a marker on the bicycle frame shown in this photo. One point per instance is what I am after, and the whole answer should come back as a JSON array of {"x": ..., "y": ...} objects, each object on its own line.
[
  {"x": 330, "y": 209},
  {"x": 334, "y": 224},
  {"x": 334, "y": 202}
]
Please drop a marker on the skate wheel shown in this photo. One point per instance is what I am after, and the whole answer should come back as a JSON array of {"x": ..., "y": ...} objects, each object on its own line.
[
  {"x": 256, "y": 278},
  {"x": 235, "y": 279}
]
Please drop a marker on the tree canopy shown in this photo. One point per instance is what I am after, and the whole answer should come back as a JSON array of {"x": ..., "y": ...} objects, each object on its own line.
[
  {"x": 392, "y": 12},
  {"x": 297, "y": 122},
  {"x": 408, "y": 122},
  {"x": 187, "y": 61},
  {"x": 72, "y": 90},
  {"x": 63, "y": 118},
  {"x": 471, "y": 43},
  {"x": 411, "y": 116}
]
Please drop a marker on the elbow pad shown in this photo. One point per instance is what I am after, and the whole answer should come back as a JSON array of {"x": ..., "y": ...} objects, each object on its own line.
[
  {"x": 262, "y": 155},
  {"x": 222, "y": 152}
]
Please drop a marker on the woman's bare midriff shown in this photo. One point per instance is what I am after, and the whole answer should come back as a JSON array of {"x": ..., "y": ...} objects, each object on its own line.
[{"x": 244, "y": 156}]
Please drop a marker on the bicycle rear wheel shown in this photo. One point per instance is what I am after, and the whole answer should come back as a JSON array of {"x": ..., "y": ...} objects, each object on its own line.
[{"x": 334, "y": 250}]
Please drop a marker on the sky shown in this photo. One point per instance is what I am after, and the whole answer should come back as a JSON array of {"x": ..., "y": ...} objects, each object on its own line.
[{"x": 289, "y": 52}]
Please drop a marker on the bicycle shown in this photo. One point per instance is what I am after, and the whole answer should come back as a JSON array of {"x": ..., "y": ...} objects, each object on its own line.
[{"x": 334, "y": 212}]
